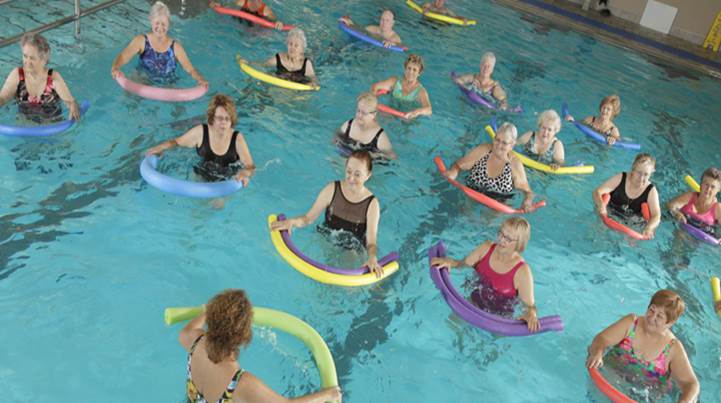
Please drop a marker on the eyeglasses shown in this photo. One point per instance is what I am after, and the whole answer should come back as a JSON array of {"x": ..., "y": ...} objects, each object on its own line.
[
  {"x": 503, "y": 237},
  {"x": 364, "y": 113},
  {"x": 222, "y": 119}
]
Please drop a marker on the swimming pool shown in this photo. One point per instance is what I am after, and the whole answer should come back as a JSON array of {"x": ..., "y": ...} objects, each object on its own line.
[{"x": 91, "y": 254}]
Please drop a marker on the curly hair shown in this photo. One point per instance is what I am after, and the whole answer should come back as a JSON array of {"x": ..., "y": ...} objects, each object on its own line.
[
  {"x": 229, "y": 316},
  {"x": 38, "y": 42},
  {"x": 227, "y": 103},
  {"x": 670, "y": 302},
  {"x": 415, "y": 59},
  {"x": 615, "y": 103}
]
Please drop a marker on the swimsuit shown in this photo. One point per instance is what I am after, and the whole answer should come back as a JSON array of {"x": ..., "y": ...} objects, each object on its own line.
[
  {"x": 160, "y": 66},
  {"x": 655, "y": 370},
  {"x": 607, "y": 133},
  {"x": 44, "y": 107},
  {"x": 356, "y": 145},
  {"x": 216, "y": 167},
  {"x": 192, "y": 392},
  {"x": 297, "y": 76},
  {"x": 622, "y": 203},
  {"x": 397, "y": 92},
  {"x": 704, "y": 221},
  {"x": 342, "y": 214},
  {"x": 487, "y": 95},
  {"x": 478, "y": 178},
  {"x": 547, "y": 156},
  {"x": 497, "y": 293}
]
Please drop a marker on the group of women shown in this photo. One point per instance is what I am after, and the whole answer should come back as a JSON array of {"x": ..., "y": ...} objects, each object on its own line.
[{"x": 644, "y": 343}]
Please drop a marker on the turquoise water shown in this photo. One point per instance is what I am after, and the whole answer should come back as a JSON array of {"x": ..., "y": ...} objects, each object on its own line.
[{"x": 90, "y": 255}]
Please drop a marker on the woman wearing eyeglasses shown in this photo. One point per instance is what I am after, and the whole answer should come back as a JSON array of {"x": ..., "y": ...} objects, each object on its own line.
[
  {"x": 363, "y": 133},
  {"x": 505, "y": 276},
  {"x": 218, "y": 143}
]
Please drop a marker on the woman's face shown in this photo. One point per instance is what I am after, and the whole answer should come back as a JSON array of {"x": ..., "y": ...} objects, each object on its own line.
[
  {"x": 364, "y": 113},
  {"x": 606, "y": 111},
  {"x": 412, "y": 72},
  {"x": 710, "y": 187},
  {"x": 221, "y": 120},
  {"x": 160, "y": 25},
  {"x": 32, "y": 60},
  {"x": 506, "y": 240},
  {"x": 641, "y": 174},
  {"x": 356, "y": 172},
  {"x": 295, "y": 47},
  {"x": 486, "y": 67},
  {"x": 503, "y": 144},
  {"x": 386, "y": 22},
  {"x": 656, "y": 319},
  {"x": 547, "y": 131}
]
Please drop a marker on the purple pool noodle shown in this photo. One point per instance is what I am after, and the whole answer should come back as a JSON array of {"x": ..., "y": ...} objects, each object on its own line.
[
  {"x": 475, "y": 97},
  {"x": 699, "y": 234},
  {"x": 337, "y": 270},
  {"x": 478, "y": 317}
]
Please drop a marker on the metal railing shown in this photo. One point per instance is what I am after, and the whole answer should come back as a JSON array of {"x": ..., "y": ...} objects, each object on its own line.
[{"x": 78, "y": 13}]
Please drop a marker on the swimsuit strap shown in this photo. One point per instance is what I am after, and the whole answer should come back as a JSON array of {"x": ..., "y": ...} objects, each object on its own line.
[
  {"x": 347, "y": 129},
  {"x": 192, "y": 349}
]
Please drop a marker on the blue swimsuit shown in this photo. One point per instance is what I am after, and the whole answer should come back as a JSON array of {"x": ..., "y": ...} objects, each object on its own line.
[{"x": 160, "y": 66}]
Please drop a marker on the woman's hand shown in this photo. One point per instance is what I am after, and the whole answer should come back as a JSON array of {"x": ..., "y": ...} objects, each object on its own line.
[
  {"x": 333, "y": 393},
  {"x": 157, "y": 150},
  {"x": 569, "y": 118},
  {"x": 610, "y": 140},
  {"x": 717, "y": 306},
  {"x": 554, "y": 166},
  {"x": 594, "y": 359},
  {"x": 648, "y": 233},
  {"x": 527, "y": 205},
  {"x": 285, "y": 225},
  {"x": 241, "y": 60},
  {"x": 243, "y": 176},
  {"x": 203, "y": 82},
  {"x": 387, "y": 44},
  {"x": 375, "y": 268},
  {"x": 680, "y": 217},
  {"x": 531, "y": 319},
  {"x": 443, "y": 263},
  {"x": 115, "y": 73},
  {"x": 74, "y": 112},
  {"x": 278, "y": 26}
]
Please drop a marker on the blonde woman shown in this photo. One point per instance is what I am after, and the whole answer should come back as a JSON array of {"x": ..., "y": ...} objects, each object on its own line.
[
  {"x": 542, "y": 143},
  {"x": 483, "y": 83},
  {"x": 505, "y": 276},
  {"x": 293, "y": 65},
  {"x": 363, "y": 133}
]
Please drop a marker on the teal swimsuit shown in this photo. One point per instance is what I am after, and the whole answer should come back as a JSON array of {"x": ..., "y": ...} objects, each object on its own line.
[{"x": 397, "y": 92}]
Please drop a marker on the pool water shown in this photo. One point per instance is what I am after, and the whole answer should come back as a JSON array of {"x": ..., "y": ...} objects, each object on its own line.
[{"x": 91, "y": 255}]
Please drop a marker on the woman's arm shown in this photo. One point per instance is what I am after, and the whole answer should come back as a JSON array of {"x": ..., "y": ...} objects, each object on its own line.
[
  {"x": 250, "y": 389},
  {"x": 241, "y": 147},
  {"x": 467, "y": 161},
  {"x": 520, "y": 182},
  {"x": 67, "y": 97},
  {"x": 610, "y": 336},
  {"x": 310, "y": 73},
  {"x": 386, "y": 85},
  {"x": 559, "y": 154},
  {"x": 191, "y": 138},
  {"x": 655, "y": 210},
  {"x": 500, "y": 94},
  {"x": 425, "y": 108},
  {"x": 464, "y": 79},
  {"x": 525, "y": 138},
  {"x": 468, "y": 261},
  {"x": 675, "y": 205},
  {"x": 373, "y": 216},
  {"x": 135, "y": 47},
  {"x": 523, "y": 281},
  {"x": 187, "y": 66},
  {"x": 682, "y": 373},
  {"x": 606, "y": 187},
  {"x": 190, "y": 333},
  {"x": 321, "y": 202},
  {"x": 385, "y": 146},
  {"x": 10, "y": 87}
]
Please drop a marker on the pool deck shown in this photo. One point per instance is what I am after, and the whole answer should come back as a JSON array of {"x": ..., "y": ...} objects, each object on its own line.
[{"x": 623, "y": 33}]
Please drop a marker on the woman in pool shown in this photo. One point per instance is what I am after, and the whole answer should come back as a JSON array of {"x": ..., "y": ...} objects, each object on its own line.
[
  {"x": 293, "y": 65},
  {"x": 629, "y": 191},
  {"x": 257, "y": 8},
  {"x": 158, "y": 52},
  {"x": 384, "y": 30},
  {"x": 213, "y": 372},
  {"x": 363, "y": 133},
  {"x": 505, "y": 276},
  {"x": 37, "y": 90},
  {"x": 218, "y": 134},
  {"x": 603, "y": 124},
  {"x": 645, "y": 346},
  {"x": 543, "y": 144},
  {"x": 701, "y": 209},
  {"x": 407, "y": 90},
  {"x": 439, "y": 7},
  {"x": 483, "y": 83},
  {"x": 494, "y": 169},
  {"x": 349, "y": 206}
]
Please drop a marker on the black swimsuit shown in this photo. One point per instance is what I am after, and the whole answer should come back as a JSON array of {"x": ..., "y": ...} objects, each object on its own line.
[
  {"x": 216, "y": 167},
  {"x": 355, "y": 145},
  {"x": 42, "y": 108},
  {"x": 625, "y": 205},
  {"x": 343, "y": 214},
  {"x": 297, "y": 76}
]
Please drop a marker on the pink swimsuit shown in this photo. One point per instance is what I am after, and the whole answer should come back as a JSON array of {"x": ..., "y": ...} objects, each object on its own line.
[
  {"x": 497, "y": 293},
  {"x": 708, "y": 218}
]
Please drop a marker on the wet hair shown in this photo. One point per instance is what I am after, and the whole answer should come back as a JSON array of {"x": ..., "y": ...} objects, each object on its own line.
[
  {"x": 643, "y": 158},
  {"x": 368, "y": 99},
  {"x": 229, "y": 316},
  {"x": 518, "y": 227},
  {"x": 671, "y": 303},
  {"x": 490, "y": 56},
  {"x": 712, "y": 173},
  {"x": 227, "y": 103},
  {"x": 159, "y": 9},
  {"x": 363, "y": 156},
  {"x": 38, "y": 42},
  {"x": 549, "y": 117},
  {"x": 297, "y": 33},
  {"x": 416, "y": 59},
  {"x": 615, "y": 103},
  {"x": 508, "y": 127}
]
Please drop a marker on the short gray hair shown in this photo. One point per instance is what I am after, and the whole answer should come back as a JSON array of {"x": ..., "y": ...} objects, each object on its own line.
[
  {"x": 490, "y": 56},
  {"x": 550, "y": 117},
  {"x": 159, "y": 9},
  {"x": 297, "y": 33},
  {"x": 38, "y": 42},
  {"x": 510, "y": 128}
]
